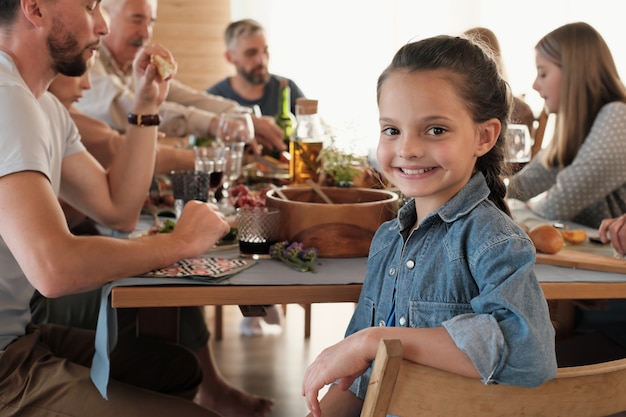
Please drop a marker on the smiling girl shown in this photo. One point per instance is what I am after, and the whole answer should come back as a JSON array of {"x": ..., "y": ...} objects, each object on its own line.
[{"x": 452, "y": 276}]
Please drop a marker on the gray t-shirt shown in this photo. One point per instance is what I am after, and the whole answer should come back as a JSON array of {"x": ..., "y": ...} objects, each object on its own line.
[{"x": 36, "y": 136}]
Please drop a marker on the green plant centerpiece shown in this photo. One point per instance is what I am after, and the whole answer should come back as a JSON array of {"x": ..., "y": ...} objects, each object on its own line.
[{"x": 340, "y": 167}]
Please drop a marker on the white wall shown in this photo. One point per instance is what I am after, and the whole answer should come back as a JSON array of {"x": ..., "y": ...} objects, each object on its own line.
[{"x": 335, "y": 49}]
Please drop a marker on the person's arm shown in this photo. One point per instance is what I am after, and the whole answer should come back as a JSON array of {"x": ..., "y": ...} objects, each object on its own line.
[
  {"x": 103, "y": 142},
  {"x": 614, "y": 231},
  {"x": 58, "y": 263},
  {"x": 533, "y": 180},
  {"x": 100, "y": 139},
  {"x": 339, "y": 403},
  {"x": 597, "y": 170},
  {"x": 115, "y": 196},
  {"x": 348, "y": 359},
  {"x": 266, "y": 131},
  {"x": 169, "y": 159}
]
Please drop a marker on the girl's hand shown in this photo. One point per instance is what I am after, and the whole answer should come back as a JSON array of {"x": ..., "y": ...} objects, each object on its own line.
[
  {"x": 342, "y": 362},
  {"x": 614, "y": 230}
]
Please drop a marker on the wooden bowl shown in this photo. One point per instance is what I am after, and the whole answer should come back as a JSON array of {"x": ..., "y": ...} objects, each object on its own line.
[{"x": 341, "y": 230}]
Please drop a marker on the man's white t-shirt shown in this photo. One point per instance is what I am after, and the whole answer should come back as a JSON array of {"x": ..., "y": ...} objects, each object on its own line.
[{"x": 35, "y": 135}]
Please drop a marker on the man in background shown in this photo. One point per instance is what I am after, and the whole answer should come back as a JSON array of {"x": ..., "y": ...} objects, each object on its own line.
[
  {"x": 186, "y": 110},
  {"x": 252, "y": 85}
]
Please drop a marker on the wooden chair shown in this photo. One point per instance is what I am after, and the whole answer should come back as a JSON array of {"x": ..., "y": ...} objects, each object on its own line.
[
  {"x": 538, "y": 132},
  {"x": 403, "y": 388}
]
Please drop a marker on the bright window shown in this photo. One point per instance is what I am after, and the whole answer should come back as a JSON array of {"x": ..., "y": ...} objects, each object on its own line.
[{"x": 335, "y": 49}]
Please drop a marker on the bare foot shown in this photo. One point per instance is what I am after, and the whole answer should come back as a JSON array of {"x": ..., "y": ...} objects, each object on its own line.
[{"x": 228, "y": 401}]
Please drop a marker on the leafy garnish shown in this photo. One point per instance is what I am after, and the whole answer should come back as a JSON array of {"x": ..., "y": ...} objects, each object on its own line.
[{"x": 168, "y": 226}]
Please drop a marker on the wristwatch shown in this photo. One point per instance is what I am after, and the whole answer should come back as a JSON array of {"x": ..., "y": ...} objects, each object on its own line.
[{"x": 144, "y": 119}]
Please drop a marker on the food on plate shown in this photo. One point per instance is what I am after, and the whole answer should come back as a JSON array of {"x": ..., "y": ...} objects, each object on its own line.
[
  {"x": 166, "y": 226},
  {"x": 546, "y": 238},
  {"x": 574, "y": 236},
  {"x": 164, "y": 66},
  {"x": 242, "y": 196}
]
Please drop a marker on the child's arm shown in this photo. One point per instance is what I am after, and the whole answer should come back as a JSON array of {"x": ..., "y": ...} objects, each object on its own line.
[
  {"x": 348, "y": 359},
  {"x": 339, "y": 403}
]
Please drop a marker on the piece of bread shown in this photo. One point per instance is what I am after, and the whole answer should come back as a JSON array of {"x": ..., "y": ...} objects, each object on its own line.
[
  {"x": 164, "y": 67},
  {"x": 546, "y": 238},
  {"x": 574, "y": 236}
]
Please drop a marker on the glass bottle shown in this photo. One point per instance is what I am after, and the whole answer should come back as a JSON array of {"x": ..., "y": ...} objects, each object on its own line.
[
  {"x": 284, "y": 117},
  {"x": 306, "y": 143}
]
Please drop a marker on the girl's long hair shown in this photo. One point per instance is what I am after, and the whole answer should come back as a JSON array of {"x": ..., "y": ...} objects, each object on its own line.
[{"x": 589, "y": 80}]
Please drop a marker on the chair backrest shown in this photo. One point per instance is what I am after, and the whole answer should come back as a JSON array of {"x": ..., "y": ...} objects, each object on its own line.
[
  {"x": 403, "y": 388},
  {"x": 539, "y": 132}
]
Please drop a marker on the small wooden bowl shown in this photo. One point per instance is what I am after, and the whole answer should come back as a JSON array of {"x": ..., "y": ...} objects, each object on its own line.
[{"x": 341, "y": 230}]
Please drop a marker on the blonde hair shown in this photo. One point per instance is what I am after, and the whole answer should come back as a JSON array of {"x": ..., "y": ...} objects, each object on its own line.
[{"x": 589, "y": 80}]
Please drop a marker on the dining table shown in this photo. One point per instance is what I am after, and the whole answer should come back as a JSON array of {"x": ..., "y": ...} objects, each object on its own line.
[
  {"x": 340, "y": 279},
  {"x": 335, "y": 280}
]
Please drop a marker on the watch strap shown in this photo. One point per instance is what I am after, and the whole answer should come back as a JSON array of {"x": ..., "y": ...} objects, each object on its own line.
[{"x": 144, "y": 119}]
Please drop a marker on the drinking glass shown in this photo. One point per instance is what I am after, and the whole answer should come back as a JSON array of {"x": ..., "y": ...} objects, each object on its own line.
[
  {"x": 188, "y": 185},
  {"x": 216, "y": 177},
  {"x": 234, "y": 162},
  {"x": 257, "y": 231},
  {"x": 235, "y": 127},
  {"x": 518, "y": 146},
  {"x": 211, "y": 159}
]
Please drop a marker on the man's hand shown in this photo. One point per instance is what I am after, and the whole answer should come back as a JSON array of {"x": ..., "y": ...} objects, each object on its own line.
[
  {"x": 150, "y": 88},
  {"x": 268, "y": 134},
  {"x": 200, "y": 226}
]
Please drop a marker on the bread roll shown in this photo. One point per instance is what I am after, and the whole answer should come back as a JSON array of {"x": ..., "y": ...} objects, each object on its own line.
[
  {"x": 546, "y": 238},
  {"x": 164, "y": 67}
]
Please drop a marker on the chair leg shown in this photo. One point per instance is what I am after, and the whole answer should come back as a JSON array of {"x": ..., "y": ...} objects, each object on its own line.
[{"x": 307, "y": 320}]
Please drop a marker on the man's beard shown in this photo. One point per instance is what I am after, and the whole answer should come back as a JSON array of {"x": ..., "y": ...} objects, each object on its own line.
[
  {"x": 62, "y": 48},
  {"x": 254, "y": 78}
]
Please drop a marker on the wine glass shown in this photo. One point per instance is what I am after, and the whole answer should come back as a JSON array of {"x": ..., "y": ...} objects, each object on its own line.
[
  {"x": 216, "y": 177},
  {"x": 232, "y": 172},
  {"x": 518, "y": 146},
  {"x": 234, "y": 131},
  {"x": 235, "y": 127},
  {"x": 212, "y": 160}
]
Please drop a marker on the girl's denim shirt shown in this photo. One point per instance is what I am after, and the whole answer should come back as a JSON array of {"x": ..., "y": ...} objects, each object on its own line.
[{"x": 469, "y": 268}]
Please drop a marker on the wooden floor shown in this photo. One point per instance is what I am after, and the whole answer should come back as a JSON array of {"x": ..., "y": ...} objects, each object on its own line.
[{"x": 273, "y": 365}]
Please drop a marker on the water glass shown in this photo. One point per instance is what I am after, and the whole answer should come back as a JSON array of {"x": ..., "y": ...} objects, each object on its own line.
[
  {"x": 187, "y": 186},
  {"x": 518, "y": 146},
  {"x": 257, "y": 230}
]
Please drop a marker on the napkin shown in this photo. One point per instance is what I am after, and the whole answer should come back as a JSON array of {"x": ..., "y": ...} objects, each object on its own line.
[{"x": 202, "y": 270}]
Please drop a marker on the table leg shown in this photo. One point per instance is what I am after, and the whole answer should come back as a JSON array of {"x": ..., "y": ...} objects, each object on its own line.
[{"x": 159, "y": 322}]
